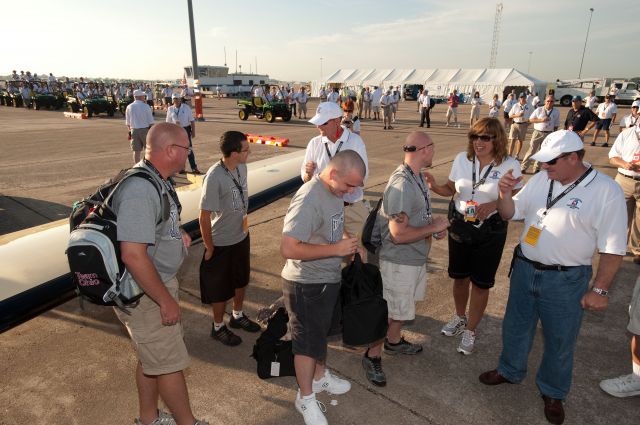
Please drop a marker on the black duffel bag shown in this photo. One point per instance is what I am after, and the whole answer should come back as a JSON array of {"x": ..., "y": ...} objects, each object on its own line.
[
  {"x": 469, "y": 233},
  {"x": 364, "y": 311},
  {"x": 274, "y": 355}
]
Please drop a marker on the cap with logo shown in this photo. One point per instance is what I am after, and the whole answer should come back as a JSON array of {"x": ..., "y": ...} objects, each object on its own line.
[
  {"x": 557, "y": 143},
  {"x": 326, "y": 111}
]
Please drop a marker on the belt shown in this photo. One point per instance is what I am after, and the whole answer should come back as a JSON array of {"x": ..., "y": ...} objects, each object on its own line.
[
  {"x": 539, "y": 266},
  {"x": 542, "y": 131},
  {"x": 629, "y": 177},
  {"x": 521, "y": 122}
]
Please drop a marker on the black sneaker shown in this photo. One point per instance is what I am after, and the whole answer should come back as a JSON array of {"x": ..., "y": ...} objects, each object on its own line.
[
  {"x": 593, "y": 143},
  {"x": 225, "y": 336},
  {"x": 373, "y": 370},
  {"x": 402, "y": 347},
  {"x": 605, "y": 145},
  {"x": 244, "y": 323}
]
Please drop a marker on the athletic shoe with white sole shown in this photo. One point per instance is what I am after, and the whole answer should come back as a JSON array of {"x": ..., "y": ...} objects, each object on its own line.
[
  {"x": 622, "y": 386},
  {"x": 455, "y": 326},
  {"x": 467, "y": 343},
  {"x": 311, "y": 409},
  {"x": 331, "y": 384}
]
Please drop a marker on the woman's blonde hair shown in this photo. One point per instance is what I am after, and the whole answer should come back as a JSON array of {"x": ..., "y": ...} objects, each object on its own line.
[{"x": 491, "y": 127}]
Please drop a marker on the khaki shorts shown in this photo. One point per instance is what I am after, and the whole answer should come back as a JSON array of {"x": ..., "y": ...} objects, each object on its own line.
[
  {"x": 160, "y": 349},
  {"x": 139, "y": 139},
  {"x": 518, "y": 131},
  {"x": 452, "y": 112},
  {"x": 403, "y": 286},
  {"x": 354, "y": 217},
  {"x": 634, "y": 310}
]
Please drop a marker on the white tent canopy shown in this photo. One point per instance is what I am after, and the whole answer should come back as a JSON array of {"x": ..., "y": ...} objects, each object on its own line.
[{"x": 439, "y": 82}]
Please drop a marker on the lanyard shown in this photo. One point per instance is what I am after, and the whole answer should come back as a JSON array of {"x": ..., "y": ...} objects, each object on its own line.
[
  {"x": 236, "y": 182},
  {"x": 167, "y": 183},
  {"x": 549, "y": 113},
  {"x": 475, "y": 185},
  {"x": 326, "y": 147},
  {"x": 425, "y": 192},
  {"x": 552, "y": 202}
]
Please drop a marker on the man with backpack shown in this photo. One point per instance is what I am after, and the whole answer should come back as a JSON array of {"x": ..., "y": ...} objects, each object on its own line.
[{"x": 152, "y": 248}]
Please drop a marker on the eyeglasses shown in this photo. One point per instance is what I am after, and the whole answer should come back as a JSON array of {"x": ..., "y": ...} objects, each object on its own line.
[
  {"x": 415, "y": 148},
  {"x": 189, "y": 149},
  {"x": 554, "y": 160},
  {"x": 245, "y": 150},
  {"x": 482, "y": 137}
]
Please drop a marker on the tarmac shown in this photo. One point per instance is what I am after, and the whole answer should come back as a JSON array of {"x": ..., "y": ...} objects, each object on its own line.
[{"x": 75, "y": 365}]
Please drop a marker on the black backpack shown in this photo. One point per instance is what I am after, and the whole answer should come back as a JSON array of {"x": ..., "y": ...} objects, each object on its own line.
[
  {"x": 371, "y": 235},
  {"x": 271, "y": 352},
  {"x": 93, "y": 250}
]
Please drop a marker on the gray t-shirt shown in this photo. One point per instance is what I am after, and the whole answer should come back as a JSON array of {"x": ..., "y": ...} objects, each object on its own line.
[
  {"x": 404, "y": 194},
  {"x": 228, "y": 206},
  {"x": 315, "y": 216},
  {"x": 138, "y": 207}
]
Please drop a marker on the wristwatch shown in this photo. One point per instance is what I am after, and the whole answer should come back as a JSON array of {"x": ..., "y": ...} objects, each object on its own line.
[{"x": 600, "y": 291}]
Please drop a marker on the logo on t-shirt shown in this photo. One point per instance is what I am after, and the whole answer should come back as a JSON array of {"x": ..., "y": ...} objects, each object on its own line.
[
  {"x": 494, "y": 175},
  {"x": 574, "y": 203},
  {"x": 236, "y": 200},
  {"x": 174, "y": 229},
  {"x": 337, "y": 227}
]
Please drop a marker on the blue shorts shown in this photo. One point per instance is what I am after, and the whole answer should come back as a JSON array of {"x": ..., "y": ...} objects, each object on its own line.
[{"x": 603, "y": 124}]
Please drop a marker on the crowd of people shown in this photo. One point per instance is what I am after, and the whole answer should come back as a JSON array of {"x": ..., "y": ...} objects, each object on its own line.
[{"x": 570, "y": 210}]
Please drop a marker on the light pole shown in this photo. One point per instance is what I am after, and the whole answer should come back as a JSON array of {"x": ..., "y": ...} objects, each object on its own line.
[
  {"x": 585, "y": 42},
  {"x": 529, "y": 66}
]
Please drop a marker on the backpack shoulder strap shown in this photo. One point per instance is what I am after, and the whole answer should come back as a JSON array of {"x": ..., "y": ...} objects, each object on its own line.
[{"x": 140, "y": 172}]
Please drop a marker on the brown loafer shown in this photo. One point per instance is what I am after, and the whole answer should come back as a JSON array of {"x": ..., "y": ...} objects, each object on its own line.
[
  {"x": 492, "y": 377},
  {"x": 553, "y": 410}
]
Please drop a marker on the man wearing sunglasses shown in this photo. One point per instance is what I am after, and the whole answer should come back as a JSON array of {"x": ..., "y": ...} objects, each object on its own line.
[
  {"x": 545, "y": 119},
  {"x": 569, "y": 210},
  {"x": 335, "y": 137}
]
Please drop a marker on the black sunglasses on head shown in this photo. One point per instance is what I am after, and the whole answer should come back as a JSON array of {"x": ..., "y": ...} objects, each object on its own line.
[{"x": 554, "y": 160}]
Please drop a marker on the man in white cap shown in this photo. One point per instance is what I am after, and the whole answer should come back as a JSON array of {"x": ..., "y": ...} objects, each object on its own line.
[
  {"x": 569, "y": 211},
  {"x": 139, "y": 119},
  {"x": 607, "y": 112},
  {"x": 631, "y": 119},
  {"x": 333, "y": 138},
  {"x": 180, "y": 113},
  {"x": 625, "y": 154},
  {"x": 545, "y": 119},
  {"x": 519, "y": 114}
]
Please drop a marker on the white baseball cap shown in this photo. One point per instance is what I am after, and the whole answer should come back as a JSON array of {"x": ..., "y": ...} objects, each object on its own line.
[
  {"x": 636, "y": 104},
  {"x": 175, "y": 96},
  {"x": 137, "y": 93},
  {"x": 326, "y": 111},
  {"x": 557, "y": 143}
]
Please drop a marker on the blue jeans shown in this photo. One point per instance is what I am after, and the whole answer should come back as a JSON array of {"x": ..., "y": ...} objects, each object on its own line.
[
  {"x": 192, "y": 156},
  {"x": 553, "y": 297}
]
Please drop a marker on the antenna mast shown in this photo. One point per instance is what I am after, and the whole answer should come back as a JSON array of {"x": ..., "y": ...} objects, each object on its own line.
[{"x": 496, "y": 36}]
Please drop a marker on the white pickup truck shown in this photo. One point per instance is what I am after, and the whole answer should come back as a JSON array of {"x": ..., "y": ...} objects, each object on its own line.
[{"x": 565, "y": 90}]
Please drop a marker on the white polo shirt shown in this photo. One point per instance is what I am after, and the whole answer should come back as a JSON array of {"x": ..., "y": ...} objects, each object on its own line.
[
  {"x": 462, "y": 176},
  {"x": 592, "y": 216},
  {"x": 317, "y": 153},
  {"x": 426, "y": 101},
  {"x": 629, "y": 121},
  {"x": 590, "y": 102},
  {"x": 606, "y": 110},
  {"x": 627, "y": 147},
  {"x": 554, "y": 119},
  {"x": 181, "y": 116},
  {"x": 138, "y": 115},
  {"x": 333, "y": 97},
  {"x": 517, "y": 108}
]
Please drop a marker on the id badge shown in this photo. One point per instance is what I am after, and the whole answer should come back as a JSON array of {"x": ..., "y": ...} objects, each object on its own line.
[
  {"x": 275, "y": 369},
  {"x": 245, "y": 223},
  {"x": 470, "y": 211},
  {"x": 533, "y": 234}
]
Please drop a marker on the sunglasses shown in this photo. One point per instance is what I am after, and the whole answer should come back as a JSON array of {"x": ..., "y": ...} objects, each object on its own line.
[
  {"x": 187, "y": 148},
  {"x": 554, "y": 160},
  {"x": 415, "y": 148},
  {"x": 481, "y": 137}
]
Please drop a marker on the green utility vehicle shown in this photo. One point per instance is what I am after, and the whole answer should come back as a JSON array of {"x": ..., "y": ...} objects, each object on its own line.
[
  {"x": 262, "y": 108},
  {"x": 91, "y": 106}
]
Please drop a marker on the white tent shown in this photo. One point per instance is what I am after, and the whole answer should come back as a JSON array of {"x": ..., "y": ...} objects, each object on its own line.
[{"x": 441, "y": 82}]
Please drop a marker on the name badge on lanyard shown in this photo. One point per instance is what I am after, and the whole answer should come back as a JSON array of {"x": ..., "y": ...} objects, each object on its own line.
[{"x": 471, "y": 206}]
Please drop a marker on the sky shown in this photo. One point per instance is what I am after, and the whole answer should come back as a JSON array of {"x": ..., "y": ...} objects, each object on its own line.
[{"x": 300, "y": 40}]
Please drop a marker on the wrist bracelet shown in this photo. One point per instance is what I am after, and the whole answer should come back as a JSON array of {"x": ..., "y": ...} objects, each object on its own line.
[{"x": 600, "y": 291}]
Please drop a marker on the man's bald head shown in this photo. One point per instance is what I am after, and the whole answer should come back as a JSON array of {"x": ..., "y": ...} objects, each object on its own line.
[
  {"x": 418, "y": 139},
  {"x": 348, "y": 161},
  {"x": 163, "y": 134}
]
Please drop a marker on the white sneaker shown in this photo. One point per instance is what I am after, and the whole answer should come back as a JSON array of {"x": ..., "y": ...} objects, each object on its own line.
[
  {"x": 622, "y": 386},
  {"x": 311, "y": 410},
  {"x": 455, "y": 326},
  {"x": 467, "y": 343},
  {"x": 163, "y": 418},
  {"x": 331, "y": 384}
]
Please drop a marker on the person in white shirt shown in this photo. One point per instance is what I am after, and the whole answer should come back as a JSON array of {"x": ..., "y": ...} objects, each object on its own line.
[
  {"x": 387, "y": 109},
  {"x": 591, "y": 101},
  {"x": 333, "y": 138},
  {"x": 425, "y": 109},
  {"x": 494, "y": 106},
  {"x": 180, "y": 113},
  {"x": 187, "y": 94},
  {"x": 607, "y": 112},
  {"x": 166, "y": 95},
  {"x": 138, "y": 119},
  {"x": 366, "y": 103},
  {"x": 395, "y": 98},
  {"x": 625, "y": 154},
  {"x": 350, "y": 121},
  {"x": 323, "y": 94},
  {"x": 375, "y": 102},
  {"x": 334, "y": 95},
  {"x": 302, "y": 98},
  {"x": 519, "y": 113},
  {"x": 545, "y": 119},
  {"x": 419, "y": 100},
  {"x": 476, "y": 101},
  {"x": 631, "y": 119},
  {"x": 291, "y": 101},
  {"x": 570, "y": 212},
  {"x": 51, "y": 78},
  {"x": 507, "y": 105},
  {"x": 535, "y": 102}
]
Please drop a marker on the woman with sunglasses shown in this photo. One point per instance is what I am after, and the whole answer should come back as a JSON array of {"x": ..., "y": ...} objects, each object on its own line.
[{"x": 477, "y": 234}]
